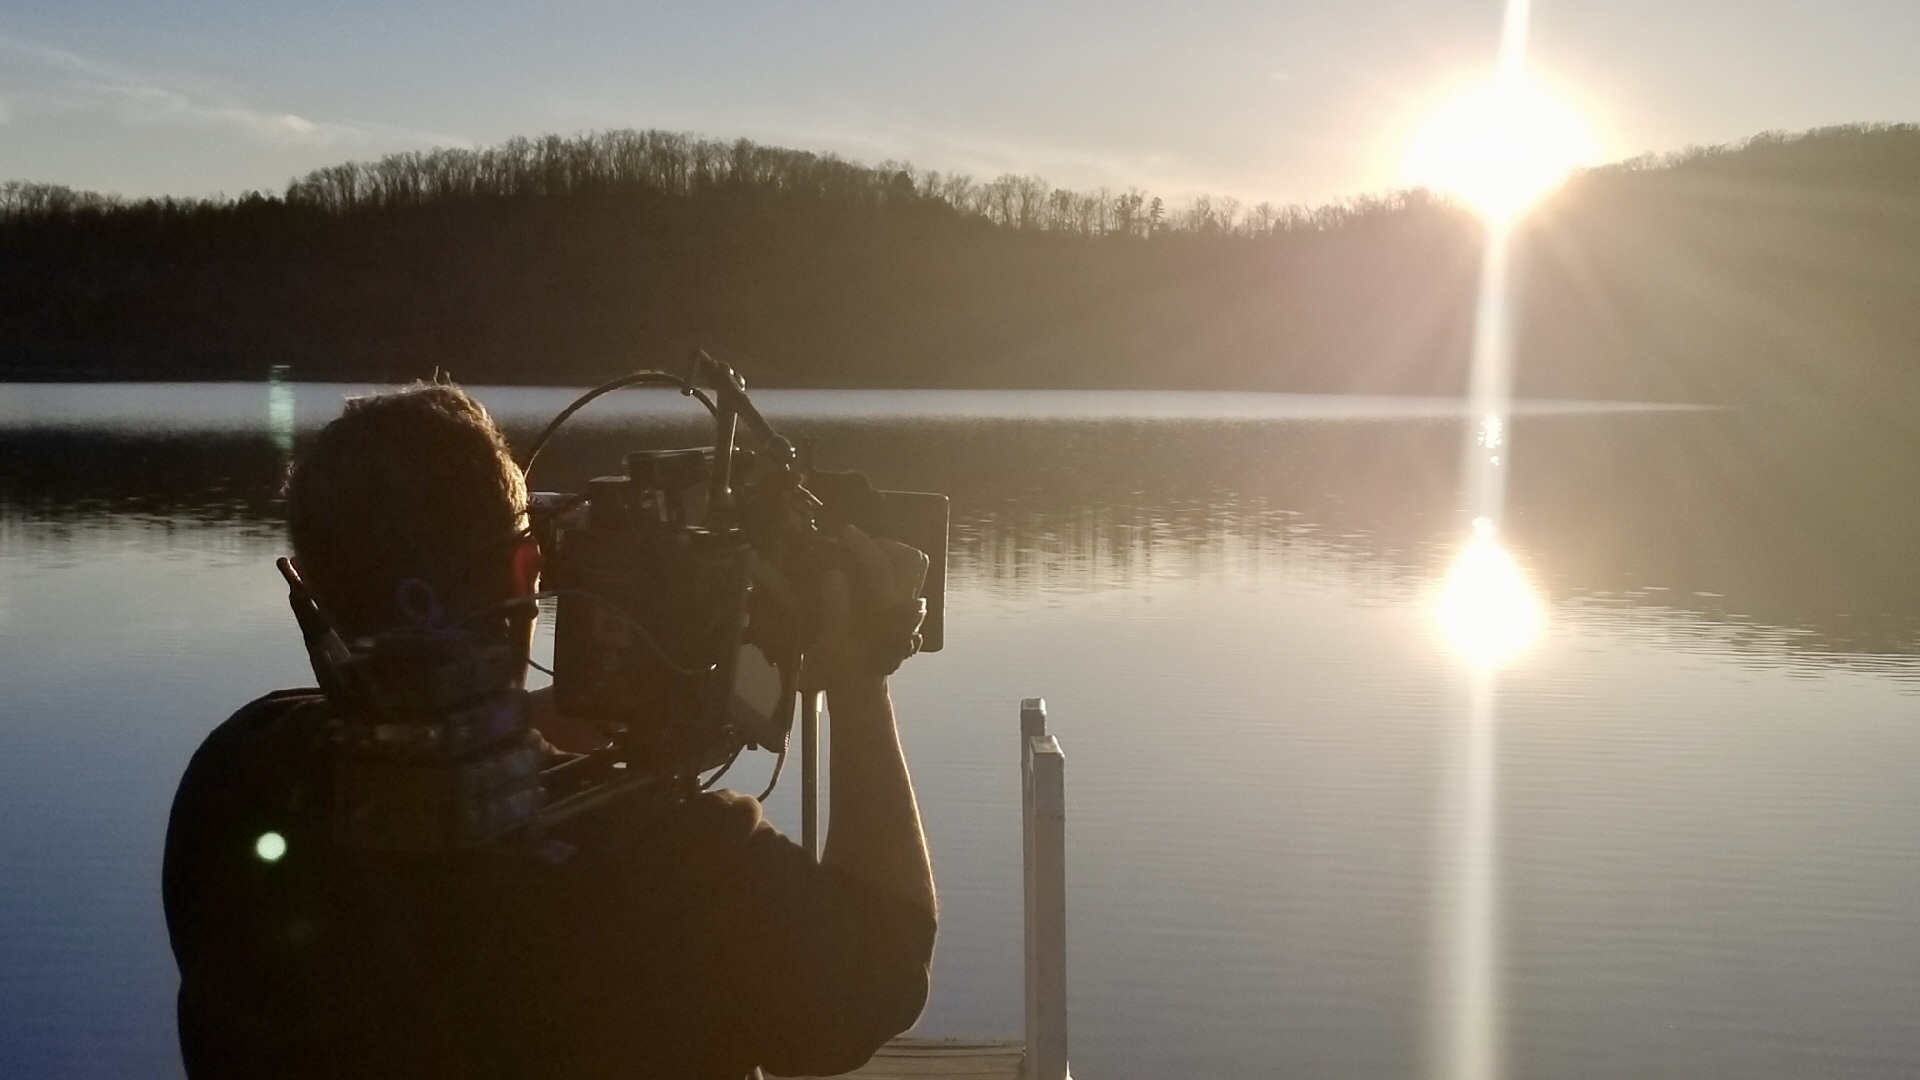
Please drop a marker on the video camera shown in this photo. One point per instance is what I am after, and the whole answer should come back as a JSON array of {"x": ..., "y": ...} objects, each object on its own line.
[{"x": 686, "y": 595}]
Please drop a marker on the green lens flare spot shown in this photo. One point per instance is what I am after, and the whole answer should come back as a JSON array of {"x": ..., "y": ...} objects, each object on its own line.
[{"x": 271, "y": 847}]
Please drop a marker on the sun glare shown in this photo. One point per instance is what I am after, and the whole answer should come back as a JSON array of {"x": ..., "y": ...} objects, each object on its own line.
[
  {"x": 1500, "y": 146},
  {"x": 1487, "y": 609},
  {"x": 270, "y": 847}
]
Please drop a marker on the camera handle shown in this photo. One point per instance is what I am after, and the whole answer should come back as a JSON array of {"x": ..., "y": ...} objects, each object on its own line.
[{"x": 325, "y": 651}]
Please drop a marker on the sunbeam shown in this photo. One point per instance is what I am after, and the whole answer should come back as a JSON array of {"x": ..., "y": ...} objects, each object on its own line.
[{"x": 1499, "y": 149}]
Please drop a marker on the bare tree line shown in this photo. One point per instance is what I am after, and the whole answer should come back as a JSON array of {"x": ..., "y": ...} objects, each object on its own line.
[
  {"x": 25, "y": 199},
  {"x": 1886, "y": 144},
  {"x": 558, "y": 260},
  {"x": 675, "y": 164}
]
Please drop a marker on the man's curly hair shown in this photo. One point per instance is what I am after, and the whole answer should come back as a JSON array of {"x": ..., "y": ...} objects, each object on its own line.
[{"x": 412, "y": 484}]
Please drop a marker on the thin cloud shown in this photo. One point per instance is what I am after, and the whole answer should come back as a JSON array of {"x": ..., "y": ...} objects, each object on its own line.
[
  {"x": 872, "y": 139},
  {"x": 984, "y": 158},
  {"x": 46, "y": 79}
]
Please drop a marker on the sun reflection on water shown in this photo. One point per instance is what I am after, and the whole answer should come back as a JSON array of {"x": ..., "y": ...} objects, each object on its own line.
[{"x": 1487, "y": 609}]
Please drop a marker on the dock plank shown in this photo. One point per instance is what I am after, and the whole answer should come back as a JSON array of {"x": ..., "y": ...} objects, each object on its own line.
[{"x": 939, "y": 1059}]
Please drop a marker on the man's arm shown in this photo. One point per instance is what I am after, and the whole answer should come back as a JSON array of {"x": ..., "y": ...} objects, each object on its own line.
[
  {"x": 873, "y": 829},
  {"x": 806, "y": 968},
  {"x": 874, "y": 826}
]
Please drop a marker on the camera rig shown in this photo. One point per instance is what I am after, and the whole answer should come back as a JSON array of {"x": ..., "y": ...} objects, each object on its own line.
[{"x": 686, "y": 594}]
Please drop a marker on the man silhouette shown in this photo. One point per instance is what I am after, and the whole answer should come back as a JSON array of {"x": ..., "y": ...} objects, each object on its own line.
[{"x": 680, "y": 937}]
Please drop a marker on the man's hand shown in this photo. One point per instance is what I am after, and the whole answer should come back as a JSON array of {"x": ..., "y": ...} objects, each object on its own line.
[{"x": 869, "y": 625}]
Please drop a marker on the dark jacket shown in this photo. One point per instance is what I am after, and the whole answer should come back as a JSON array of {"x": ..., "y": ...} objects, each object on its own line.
[{"x": 679, "y": 937}]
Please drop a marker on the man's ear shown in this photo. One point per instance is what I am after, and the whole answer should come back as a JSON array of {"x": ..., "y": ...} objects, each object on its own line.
[{"x": 526, "y": 567}]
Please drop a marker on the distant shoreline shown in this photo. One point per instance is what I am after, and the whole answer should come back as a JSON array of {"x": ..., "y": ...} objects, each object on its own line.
[
  {"x": 1763, "y": 273},
  {"x": 228, "y": 406}
]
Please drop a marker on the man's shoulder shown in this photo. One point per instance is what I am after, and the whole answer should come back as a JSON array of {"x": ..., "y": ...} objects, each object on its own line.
[
  {"x": 258, "y": 738},
  {"x": 258, "y": 725},
  {"x": 267, "y": 710},
  {"x": 245, "y": 848},
  {"x": 258, "y": 753}
]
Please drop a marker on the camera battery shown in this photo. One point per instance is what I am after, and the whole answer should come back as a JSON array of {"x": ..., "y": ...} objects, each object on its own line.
[
  {"x": 454, "y": 734},
  {"x": 427, "y": 805},
  {"x": 432, "y": 672}
]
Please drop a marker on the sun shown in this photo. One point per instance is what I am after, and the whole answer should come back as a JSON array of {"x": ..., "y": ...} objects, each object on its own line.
[{"x": 1500, "y": 146}]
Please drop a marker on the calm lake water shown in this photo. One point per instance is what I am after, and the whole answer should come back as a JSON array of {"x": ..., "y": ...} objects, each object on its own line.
[{"x": 1709, "y": 811}]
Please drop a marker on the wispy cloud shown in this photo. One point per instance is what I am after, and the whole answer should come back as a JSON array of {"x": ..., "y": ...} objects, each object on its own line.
[
  {"x": 871, "y": 136},
  {"x": 40, "y": 78},
  {"x": 1084, "y": 166}
]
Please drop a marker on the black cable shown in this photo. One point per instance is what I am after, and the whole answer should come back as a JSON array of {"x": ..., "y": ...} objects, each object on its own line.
[
  {"x": 701, "y": 396},
  {"x": 722, "y": 770},
  {"x": 779, "y": 764},
  {"x": 505, "y": 606},
  {"x": 538, "y": 666},
  {"x": 638, "y": 378}
]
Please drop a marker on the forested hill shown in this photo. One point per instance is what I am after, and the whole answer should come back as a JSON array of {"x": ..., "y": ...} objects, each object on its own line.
[{"x": 1783, "y": 265}]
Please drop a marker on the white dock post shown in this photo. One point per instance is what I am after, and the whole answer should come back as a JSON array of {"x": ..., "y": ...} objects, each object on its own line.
[
  {"x": 1044, "y": 817},
  {"x": 810, "y": 772}
]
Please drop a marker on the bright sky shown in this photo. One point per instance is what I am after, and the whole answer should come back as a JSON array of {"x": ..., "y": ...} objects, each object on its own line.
[{"x": 1293, "y": 100}]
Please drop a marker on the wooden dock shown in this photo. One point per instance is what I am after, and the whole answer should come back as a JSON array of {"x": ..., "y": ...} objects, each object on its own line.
[
  {"x": 943, "y": 1059},
  {"x": 1042, "y": 1055}
]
